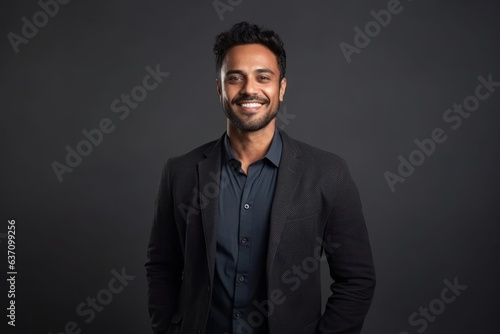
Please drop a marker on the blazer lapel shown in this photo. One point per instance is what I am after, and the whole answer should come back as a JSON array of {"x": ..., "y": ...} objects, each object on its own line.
[
  {"x": 207, "y": 168},
  {"x": 289, "y": 170}
]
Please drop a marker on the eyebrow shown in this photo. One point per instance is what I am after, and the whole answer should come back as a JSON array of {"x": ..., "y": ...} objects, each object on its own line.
[{"x": 259, "y": 70}]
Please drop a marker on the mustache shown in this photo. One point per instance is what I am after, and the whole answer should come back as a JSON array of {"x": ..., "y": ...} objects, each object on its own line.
[{"x": 250, "y": 99}]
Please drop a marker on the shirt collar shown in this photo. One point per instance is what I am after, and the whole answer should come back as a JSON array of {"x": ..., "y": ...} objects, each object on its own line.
[{"x": 273, "y": 154}]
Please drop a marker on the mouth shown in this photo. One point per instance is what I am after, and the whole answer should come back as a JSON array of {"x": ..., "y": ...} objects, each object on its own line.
[{"x": 250, "y": 106}]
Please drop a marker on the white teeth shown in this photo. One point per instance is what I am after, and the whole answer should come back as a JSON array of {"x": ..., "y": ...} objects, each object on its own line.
[{"x": 251, "y": 105}]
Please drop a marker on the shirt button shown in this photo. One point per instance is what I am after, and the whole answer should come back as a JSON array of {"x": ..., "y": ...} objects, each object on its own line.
[
  {"x": 244, "y": 240},
  {"x": 237, "y": 314},
  {"x": 246, "y": 206},
  {"x": 241, "y": 278}
]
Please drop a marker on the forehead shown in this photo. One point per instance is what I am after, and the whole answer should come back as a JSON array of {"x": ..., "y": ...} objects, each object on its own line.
[{"x": 248, "y": 56}]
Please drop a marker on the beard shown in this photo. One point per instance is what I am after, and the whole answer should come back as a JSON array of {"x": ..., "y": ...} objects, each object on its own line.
[{"x": 251, "y": 122}]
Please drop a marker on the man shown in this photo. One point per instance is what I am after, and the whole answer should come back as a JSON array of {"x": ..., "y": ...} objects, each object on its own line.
[{"x": 241, "y": 222}]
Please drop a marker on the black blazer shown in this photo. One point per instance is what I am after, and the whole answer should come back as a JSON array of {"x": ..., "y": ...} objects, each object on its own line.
[{"x": 316, "y": 207}]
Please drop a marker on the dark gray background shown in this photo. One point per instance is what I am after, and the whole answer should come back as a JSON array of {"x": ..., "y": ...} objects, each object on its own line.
[{"x": 441, "y": 223}]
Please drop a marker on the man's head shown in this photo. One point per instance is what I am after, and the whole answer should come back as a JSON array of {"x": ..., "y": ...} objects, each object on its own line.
[{"x": 251, "y": 83}]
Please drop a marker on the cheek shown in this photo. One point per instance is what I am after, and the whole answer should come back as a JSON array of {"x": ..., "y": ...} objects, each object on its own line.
[
  {"x": 271, "y": 94},
  {"x": 229, "y": 93}
]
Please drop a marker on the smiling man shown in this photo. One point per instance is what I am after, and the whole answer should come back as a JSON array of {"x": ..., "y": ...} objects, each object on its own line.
[{"x": 241, "y": 223}]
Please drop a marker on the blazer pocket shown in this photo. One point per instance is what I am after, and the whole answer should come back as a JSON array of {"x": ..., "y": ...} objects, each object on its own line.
[
  {"x": 312, "y": 327},
  {"x": 175, "y": 324},
  {"x": 306, "y": 218},
  {"x": 304, "y": 225}
]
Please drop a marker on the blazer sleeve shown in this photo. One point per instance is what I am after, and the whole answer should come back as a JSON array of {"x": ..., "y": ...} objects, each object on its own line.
[
  {"x": 349, "y": 256},
  {"x": 164, "y": 263}
]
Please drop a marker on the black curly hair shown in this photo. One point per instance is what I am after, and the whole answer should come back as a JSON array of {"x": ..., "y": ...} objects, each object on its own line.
[{"x": 246, "y": 33}]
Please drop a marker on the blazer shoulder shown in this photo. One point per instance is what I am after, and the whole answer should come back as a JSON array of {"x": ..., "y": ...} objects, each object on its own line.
[
  {"x": 192, "y": 156},
  {"x": 331, "y": 168},
  {"x": 188, "y": 160},
  {"x": 320, "y": 157}
]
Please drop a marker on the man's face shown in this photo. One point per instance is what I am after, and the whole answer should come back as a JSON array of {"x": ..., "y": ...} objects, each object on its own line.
[{"x": 249, "y": 86}]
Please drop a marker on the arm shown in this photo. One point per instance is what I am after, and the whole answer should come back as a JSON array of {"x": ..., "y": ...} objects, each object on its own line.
[
  {"x": 164, "y": 263},
  {"x": 350, "y": 260}
]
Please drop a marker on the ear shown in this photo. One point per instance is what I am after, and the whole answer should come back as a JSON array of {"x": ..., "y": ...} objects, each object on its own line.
[
  {"x": 282, "y": 89},
  {"x": 219, "y": 89}
]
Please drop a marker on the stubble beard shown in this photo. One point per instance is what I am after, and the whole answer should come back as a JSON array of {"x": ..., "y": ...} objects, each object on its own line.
[{"x": 249, "y": 123}]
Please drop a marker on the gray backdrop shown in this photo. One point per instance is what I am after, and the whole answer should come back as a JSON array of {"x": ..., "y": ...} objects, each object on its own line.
[{"x": 369, "y": 103}]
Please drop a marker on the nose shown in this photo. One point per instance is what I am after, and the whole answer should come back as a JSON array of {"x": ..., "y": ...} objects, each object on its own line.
[{"x": 249, "y": 87}]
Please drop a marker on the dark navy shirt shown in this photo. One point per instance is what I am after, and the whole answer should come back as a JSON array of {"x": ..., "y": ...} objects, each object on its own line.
[{"x": 242, "y": 236}]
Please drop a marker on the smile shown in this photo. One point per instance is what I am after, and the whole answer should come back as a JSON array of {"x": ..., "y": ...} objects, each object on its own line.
[{"x": 251, "y": 105}]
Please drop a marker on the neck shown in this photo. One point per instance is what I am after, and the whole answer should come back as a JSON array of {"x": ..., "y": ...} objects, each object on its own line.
[{"x": 250, "y": 146}]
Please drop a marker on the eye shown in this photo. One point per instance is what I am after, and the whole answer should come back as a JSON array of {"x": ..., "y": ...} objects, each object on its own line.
[
  {"x": 264, "y": 78},
  {"x": 234, "y": 78}
]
